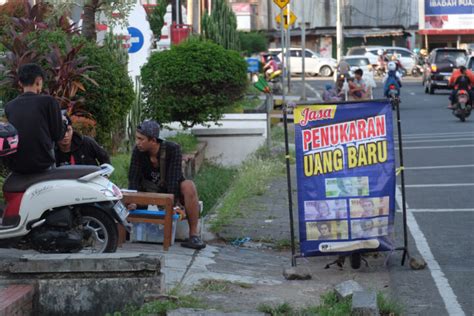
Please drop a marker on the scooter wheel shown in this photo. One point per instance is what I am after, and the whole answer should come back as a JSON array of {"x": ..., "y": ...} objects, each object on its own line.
[
  {"x": 462, "y": 118},
  {"x": 355, "y": 260},
  {"x": 104, "y": 231}
]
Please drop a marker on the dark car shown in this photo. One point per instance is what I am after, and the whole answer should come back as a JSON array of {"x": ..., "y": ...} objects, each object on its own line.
[{"x": 439, "y": 67}]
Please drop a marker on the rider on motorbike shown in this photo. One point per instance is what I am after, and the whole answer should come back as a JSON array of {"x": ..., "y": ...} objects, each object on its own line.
[
  {"x": 270, "y": 67},
  {"x": 461, "y": 79},
  {"x": 392, "y": 78}
]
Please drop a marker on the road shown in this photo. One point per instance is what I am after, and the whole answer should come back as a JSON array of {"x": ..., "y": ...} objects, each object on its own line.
[{"x": 439, "y": 174}]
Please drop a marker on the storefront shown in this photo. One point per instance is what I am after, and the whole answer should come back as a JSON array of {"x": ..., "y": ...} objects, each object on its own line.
[{"x": 445, "y": 23}]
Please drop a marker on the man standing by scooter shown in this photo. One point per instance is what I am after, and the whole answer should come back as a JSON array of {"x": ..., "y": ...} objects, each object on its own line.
[{"x": 39, "y": 123}]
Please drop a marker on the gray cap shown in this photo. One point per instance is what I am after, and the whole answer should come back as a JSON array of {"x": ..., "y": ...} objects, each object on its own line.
[{"x": 149, "y": 128}]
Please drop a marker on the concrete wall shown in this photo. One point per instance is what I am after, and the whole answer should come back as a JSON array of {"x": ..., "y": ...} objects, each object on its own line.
[{"x": 232, "y": 139}]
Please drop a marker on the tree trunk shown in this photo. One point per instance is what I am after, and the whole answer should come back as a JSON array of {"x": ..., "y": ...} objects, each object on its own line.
[{"x": 88, "y": 20}]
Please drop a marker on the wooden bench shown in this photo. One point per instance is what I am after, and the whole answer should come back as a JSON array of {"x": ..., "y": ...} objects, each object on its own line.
[{"x": 165, "y": 201}]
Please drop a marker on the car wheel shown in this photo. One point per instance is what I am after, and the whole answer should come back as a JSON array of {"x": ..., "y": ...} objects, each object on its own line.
[
  {"x": 431, "y": 89},
  {"x": 325, "y": 71}
]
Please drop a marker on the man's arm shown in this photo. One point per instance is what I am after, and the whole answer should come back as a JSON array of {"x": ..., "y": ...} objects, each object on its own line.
[
  {"x": 173, "y": 166},
  {"x": 134, "y": 172},
  {"x": 99, "y": 152}
]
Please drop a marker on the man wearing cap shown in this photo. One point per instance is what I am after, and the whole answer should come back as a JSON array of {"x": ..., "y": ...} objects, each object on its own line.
[{"x": 150, "y": 155}]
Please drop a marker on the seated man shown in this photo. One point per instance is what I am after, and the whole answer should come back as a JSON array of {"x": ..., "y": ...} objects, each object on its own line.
[
  {"x": 357, "y": 87},
  {"x": 75, "y": 149},
  {"x": 156, "y": 167}
]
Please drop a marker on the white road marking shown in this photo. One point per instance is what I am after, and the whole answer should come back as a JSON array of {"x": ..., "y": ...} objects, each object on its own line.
[
  {"x": 438, "y": 167},
  {"x": 436, "y": 140},
  {"x": 439, "y": 210},
  {"x": 316, "y": 93},
  {"x": 436, "y": 147},
  {"x": 447, "y": 294},
  {"x": 439, "y": 185},
  {"x": 431, "y": 135}
]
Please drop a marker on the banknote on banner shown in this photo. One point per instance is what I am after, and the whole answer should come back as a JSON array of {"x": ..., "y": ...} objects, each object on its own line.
[{"x": 345, "y": 162}]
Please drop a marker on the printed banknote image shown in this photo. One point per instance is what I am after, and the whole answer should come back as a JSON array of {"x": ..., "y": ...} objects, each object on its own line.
[
  {"x": 327, "y": 230},
  {"x": 369, "y": 207},
  {"x": 325, "y": 209},
  {"x": 372, "y": 227},
  {"x": 348, "y": 186}
]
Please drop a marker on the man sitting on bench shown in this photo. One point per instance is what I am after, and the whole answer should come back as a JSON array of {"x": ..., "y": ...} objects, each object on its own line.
[{"x": 155, "y": 166}]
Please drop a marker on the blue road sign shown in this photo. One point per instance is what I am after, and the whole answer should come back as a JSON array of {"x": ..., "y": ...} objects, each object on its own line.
[{"x": 136, "y": 40}]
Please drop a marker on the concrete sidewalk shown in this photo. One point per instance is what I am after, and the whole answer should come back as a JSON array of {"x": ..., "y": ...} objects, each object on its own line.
[{"x": 256, "y": 266}]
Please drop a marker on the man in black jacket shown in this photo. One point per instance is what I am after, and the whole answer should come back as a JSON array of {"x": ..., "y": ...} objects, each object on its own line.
[
  {"x": 75, "y": 149},
  {"x": 38, "y": 121},
  {"x": 155, "y": 166}
]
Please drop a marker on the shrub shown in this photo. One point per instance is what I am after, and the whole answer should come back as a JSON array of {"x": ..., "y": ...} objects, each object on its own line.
[
  {"x": 192, "y": 82},
  {"x": 253, "y": 42},
  {"x": 111, "y": 99}
]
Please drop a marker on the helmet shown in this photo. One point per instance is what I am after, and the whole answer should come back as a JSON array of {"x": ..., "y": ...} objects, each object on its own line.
[
  {"x": 394, "y": 57},
  {"x": 380, "y": 52},
  {"x": 391, "y": 66},
  {"x": 8, "y": 139},
  {"x": 460, "y": 61},
  {"x": 416, "y": 50},
  {"x": 423, "y": 52}
]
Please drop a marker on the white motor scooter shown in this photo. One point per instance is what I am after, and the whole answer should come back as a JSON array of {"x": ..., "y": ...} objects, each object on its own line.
[{"x": 63, "y": 210}]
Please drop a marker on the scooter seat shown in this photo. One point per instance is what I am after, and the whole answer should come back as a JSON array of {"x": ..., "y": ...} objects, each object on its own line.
[{"x": 16, "y": 182}]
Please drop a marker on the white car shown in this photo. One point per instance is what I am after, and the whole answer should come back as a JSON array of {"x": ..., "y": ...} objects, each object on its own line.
[
  {"x": 407, "y": 58},
  {"x": 314, "y": 64}
]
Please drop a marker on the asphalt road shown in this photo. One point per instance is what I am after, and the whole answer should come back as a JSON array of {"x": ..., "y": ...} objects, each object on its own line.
[{"x": 439, "y": 175}]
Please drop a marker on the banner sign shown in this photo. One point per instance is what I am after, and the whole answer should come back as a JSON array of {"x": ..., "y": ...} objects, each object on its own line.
[
  {"x": 449, "y": 14},
  {"x": 345, "y": 167}
]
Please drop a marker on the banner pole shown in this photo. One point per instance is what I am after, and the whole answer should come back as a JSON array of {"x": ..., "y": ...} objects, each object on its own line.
[
  {"x": 288, "y": 178},
  {"x": 402, "y": 178}
]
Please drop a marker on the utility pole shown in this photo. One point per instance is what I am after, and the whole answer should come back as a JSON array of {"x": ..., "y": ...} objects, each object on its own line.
[
  {"x": 288, "y": 45},
  {"x": 339, "y": 26},
  {"x": 303, "y": 49}
]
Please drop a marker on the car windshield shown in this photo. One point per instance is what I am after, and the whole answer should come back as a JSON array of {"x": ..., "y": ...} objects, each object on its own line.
[
  {"x": 357, "y": 62},
  {"x": 450, "y": 56}
]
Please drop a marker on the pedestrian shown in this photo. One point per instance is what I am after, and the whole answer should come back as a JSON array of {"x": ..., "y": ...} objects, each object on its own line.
[
  {"x": 38, "y": 120},
  {"x": 357, "y": 87},
  {"x": 77, "y": 149},
  {"x": 155, "y": 166}
]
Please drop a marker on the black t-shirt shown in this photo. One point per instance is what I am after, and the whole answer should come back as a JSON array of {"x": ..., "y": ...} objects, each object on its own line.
[{"x": 38, "y": 121}]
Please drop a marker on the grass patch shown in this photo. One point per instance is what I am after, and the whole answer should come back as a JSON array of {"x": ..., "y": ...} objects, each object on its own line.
[
  {"x": 243, "y": 104},
  {"x": 331, "y": 306},
  {"x": 220, "y": 286},
  {"x": 279, "y": 310},
  {"x": 188, "y": 142},
  {"x": 161, "y": 307},
  {"x": 388, "y": 306},
  {"x": 251, "y": 180},
  {"x": 278, "y": 134},
  {"x": 121, "y": 163},
  {"x": 212, "y": 182}
]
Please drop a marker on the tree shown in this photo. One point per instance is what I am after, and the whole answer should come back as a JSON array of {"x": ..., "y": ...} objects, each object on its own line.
[
  {"x": 253, "y": 42},
  {"x": 115, "y": 11},
  {"x": 221, "y": 25},
  {"x": 192, "y": 82},
  {"x": 157, "y": 18}
]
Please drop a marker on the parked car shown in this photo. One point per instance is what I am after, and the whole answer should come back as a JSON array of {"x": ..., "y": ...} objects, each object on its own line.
[
  {"x": 363, "y": 63},
  {"x": 314, "y": 64},
  {"x": 368, "y": 51},
  {"x": 407, "y": 58},
  {"x": 439, "y": 67}
]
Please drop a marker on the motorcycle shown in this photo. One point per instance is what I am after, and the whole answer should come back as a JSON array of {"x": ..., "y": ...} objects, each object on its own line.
[
  {"x": 394, "y": 96},
  {"x": 63, "y": 210},
  {"x": 462, "y": 105},
  {"x": 276, "y": 82}
]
